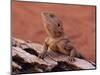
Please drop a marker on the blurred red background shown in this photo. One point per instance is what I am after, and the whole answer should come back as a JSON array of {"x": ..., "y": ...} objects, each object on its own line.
[{"x": 79, "y": 24}]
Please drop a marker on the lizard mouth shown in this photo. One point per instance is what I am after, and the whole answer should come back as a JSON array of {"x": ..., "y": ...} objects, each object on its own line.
[{"x": 58, "y": 33}]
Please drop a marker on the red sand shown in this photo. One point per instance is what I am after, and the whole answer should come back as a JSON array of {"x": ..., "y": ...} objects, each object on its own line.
[{"x": 79, "y": 24}]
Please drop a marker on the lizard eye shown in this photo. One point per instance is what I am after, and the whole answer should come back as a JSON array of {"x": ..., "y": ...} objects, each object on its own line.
[
  {"x": 51, "y": 15},
  {"x": 58, "y": 25}
]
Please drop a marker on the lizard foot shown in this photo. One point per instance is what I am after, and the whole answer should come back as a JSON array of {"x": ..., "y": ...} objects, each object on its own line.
[
  {"x": 70, "y": 59},
  {"x": 41, "y": 55}
]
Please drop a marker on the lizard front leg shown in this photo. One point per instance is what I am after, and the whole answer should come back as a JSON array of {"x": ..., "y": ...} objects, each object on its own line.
[
  {"x": 67, "y": 49},
  {"x": 72, "y": 55},
  {"x": 43, "y": 53},
  {"x": 72, "y": 52}
]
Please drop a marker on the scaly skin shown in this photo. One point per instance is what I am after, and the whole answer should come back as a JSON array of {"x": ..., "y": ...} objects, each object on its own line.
[{"x": 56, "y": 39}]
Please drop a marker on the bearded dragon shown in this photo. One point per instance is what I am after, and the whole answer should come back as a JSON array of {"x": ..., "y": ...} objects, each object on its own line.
[{"x": 56, "y": 39}]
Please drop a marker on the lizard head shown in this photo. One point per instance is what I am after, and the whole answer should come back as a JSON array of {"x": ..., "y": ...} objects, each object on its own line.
[{"x": 52, "y": 24}]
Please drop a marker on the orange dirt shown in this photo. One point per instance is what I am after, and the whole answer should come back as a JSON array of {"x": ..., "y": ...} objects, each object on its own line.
[{"x": 79, "y": 24}]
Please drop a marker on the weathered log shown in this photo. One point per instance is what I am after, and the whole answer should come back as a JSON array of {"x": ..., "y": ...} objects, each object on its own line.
[
  {"x": 25, "y": 59},
  {"x": 16, "y": 51},
  {"x": 80, "y": 63},
  {"x": 30, "y": 47},
  {"x": 15, "y": 67}
]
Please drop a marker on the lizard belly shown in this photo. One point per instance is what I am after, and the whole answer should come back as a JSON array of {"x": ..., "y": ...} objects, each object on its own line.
[
  {"x": 52, "y": 44},
  {"x": 54, "y": 47}
]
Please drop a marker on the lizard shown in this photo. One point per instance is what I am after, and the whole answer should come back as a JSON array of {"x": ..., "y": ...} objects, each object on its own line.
[{"x": 56, "y": 39}]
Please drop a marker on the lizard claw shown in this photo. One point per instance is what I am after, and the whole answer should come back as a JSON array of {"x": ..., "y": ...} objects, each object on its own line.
[
  {"x": 41, "y": 55},
  {"x": 71, "y": 59}
]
